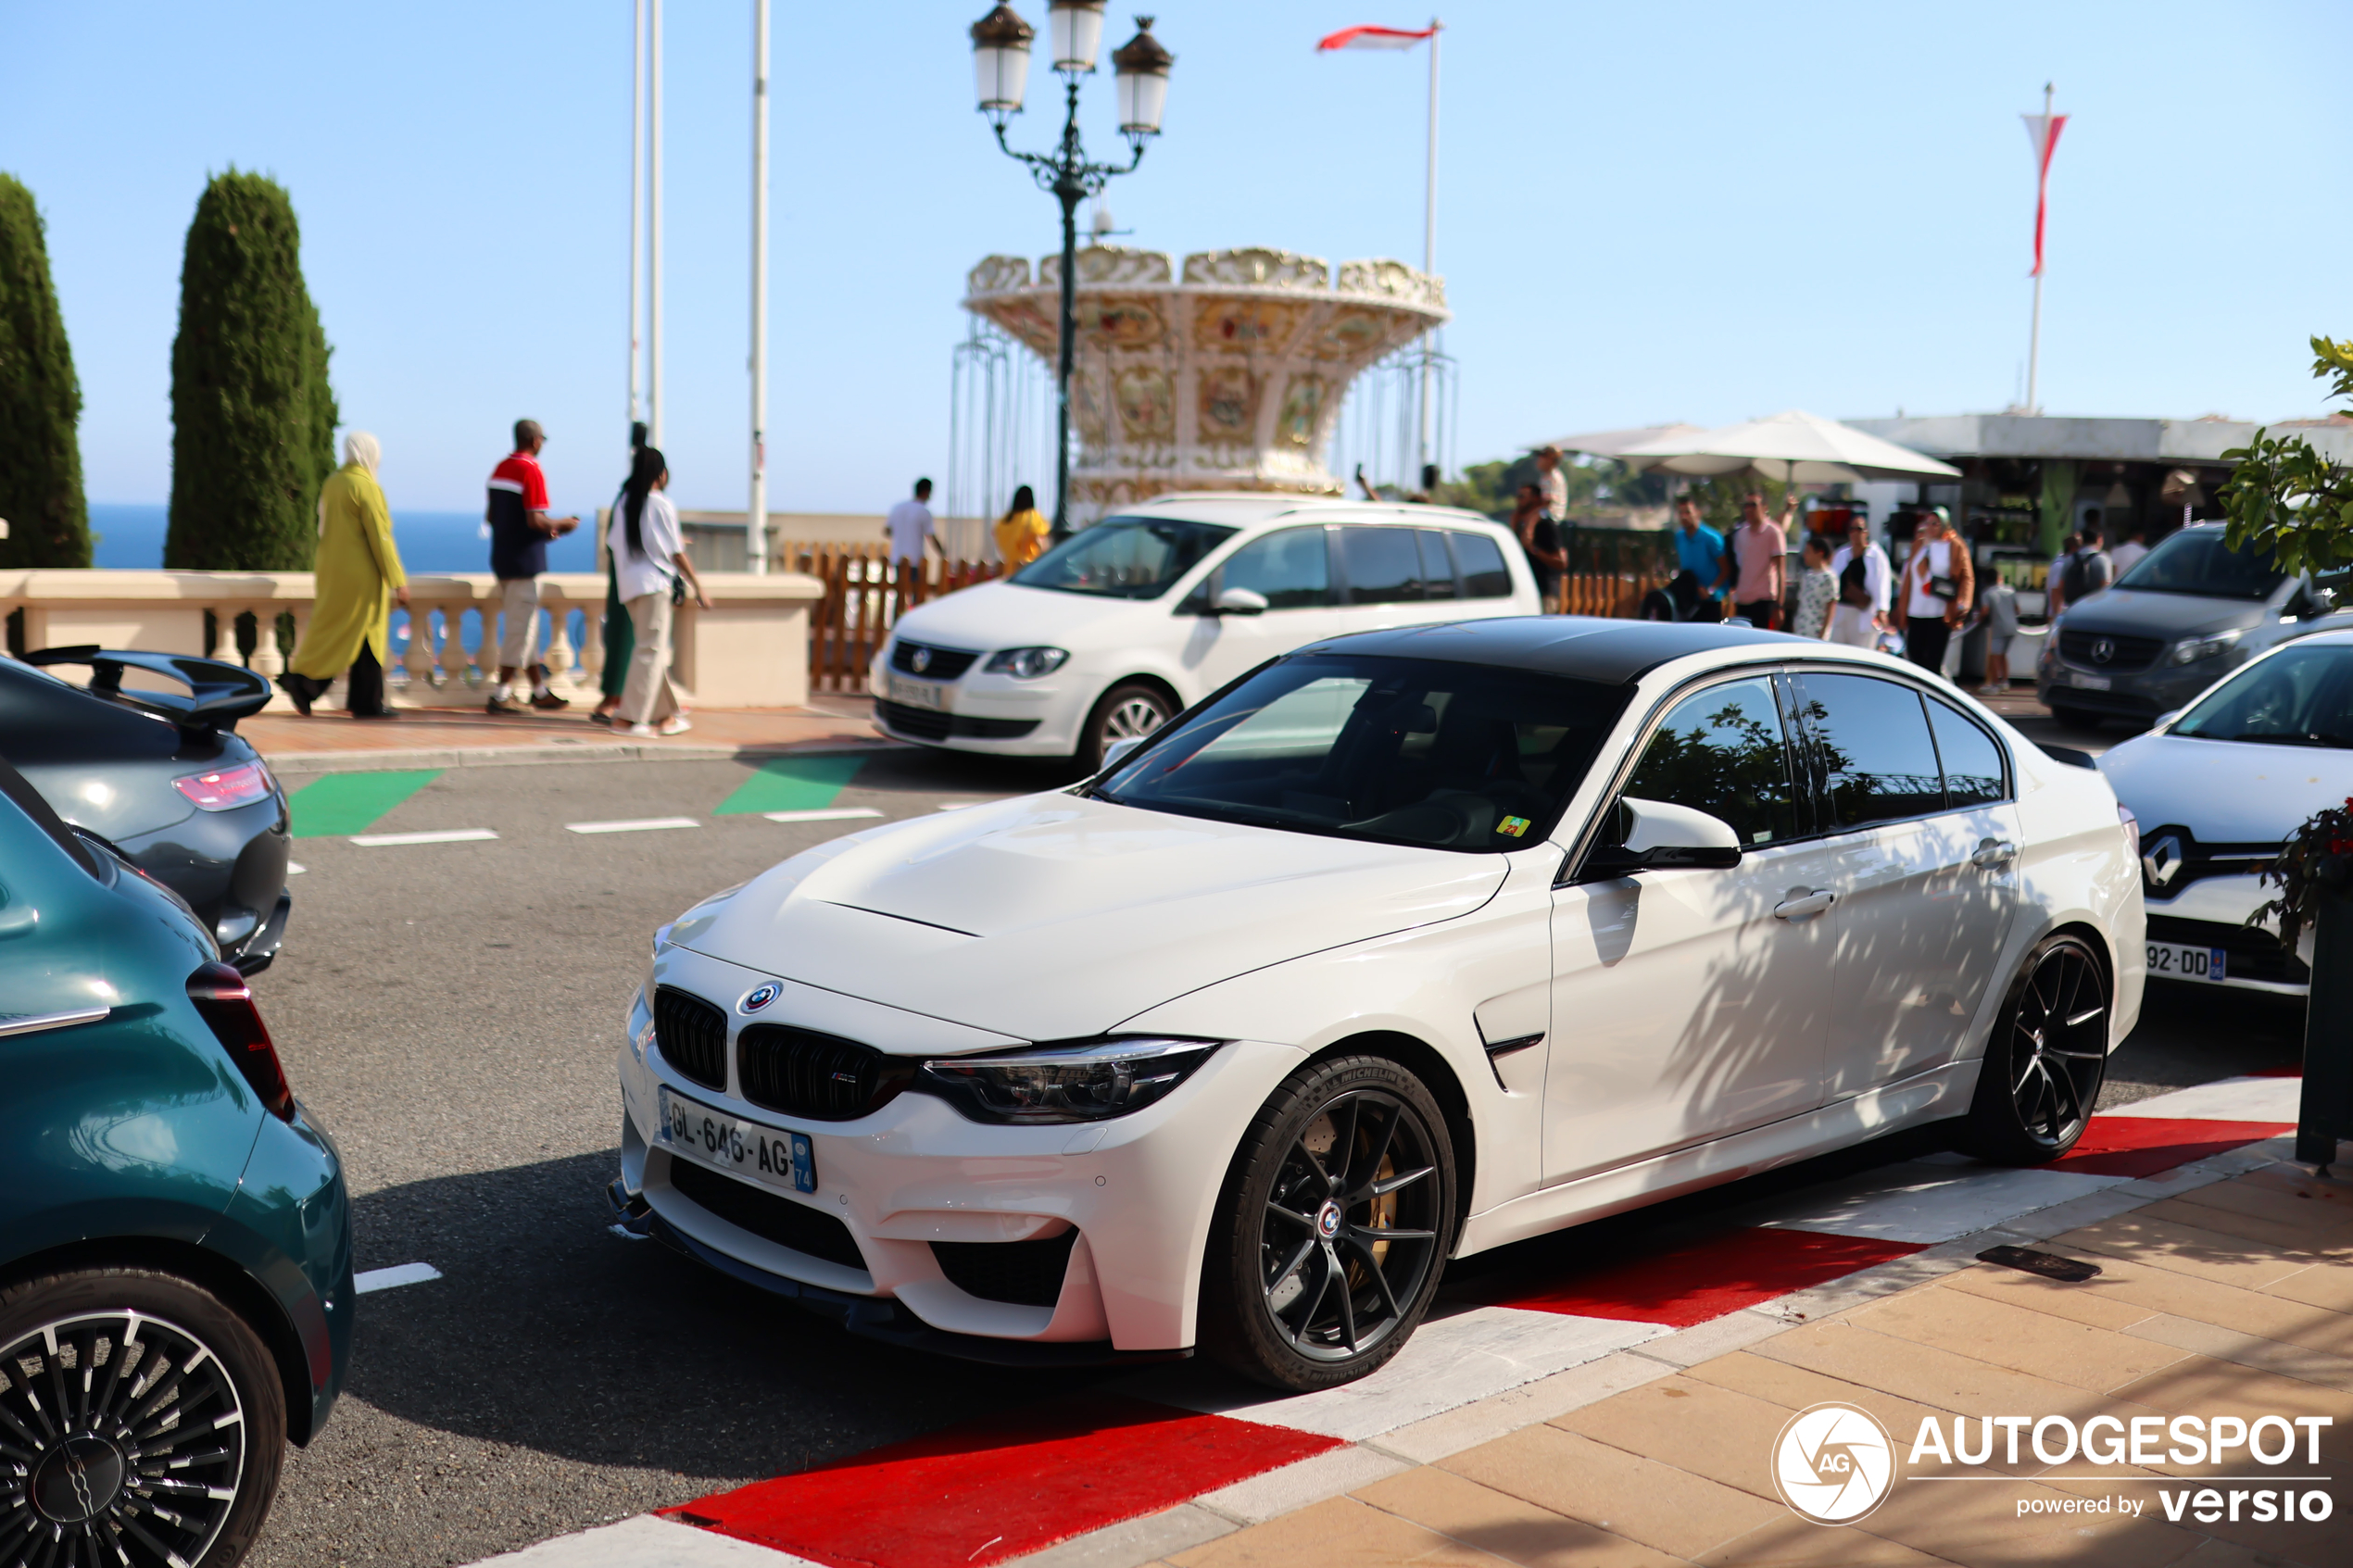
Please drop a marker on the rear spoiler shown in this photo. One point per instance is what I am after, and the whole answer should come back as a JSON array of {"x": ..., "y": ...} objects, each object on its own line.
[{"x": 219, "y": 693}]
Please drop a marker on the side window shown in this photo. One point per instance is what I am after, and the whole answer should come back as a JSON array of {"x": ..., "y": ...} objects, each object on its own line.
[
  {"x": 1290, "y": 567},
  {"x": 1481, "y": 561},
  {"x": 1384, "y": 565},
  {"x": 1438, "y": 568},
  {"x": 1973, "y": 772},
  {"x": 1876, "y": 760},
  {"x": 1722, "y": 751}
]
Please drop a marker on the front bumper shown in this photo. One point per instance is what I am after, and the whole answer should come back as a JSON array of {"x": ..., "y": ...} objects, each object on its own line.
[
  {"x": 2212, "y": 913},
  {"x": 994, "y": 714},
  {"x": 2143, "y": 694},
  {"x": 1139, "y": 1189}
]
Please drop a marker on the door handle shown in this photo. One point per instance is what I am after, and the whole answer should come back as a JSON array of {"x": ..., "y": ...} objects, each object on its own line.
[
  {"x": 1993, "y": 852},
  {"x": 1805, "y": 904}
]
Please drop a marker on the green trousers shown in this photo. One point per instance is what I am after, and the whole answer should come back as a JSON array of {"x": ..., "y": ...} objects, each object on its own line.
[{"x": 620, "y": 639}]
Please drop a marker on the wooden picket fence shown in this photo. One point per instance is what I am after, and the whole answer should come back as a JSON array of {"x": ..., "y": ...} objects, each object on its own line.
[{"x": 866, "y": 593}]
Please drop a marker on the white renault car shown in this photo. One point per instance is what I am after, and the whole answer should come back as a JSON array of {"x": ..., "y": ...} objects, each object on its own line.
[
  {"x": 1113, "y": 631},
  {"x": 2220, "y": 785},
  {"x": 1409, "y": 945}
]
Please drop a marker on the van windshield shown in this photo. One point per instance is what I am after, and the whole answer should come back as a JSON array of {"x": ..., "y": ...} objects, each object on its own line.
[
  {"x": 1123, "y": 557},
  {"x": 1447, "y": 756},
  {"x": 2197, "y": 561}
]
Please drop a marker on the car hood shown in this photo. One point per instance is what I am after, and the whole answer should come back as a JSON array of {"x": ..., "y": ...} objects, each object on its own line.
[
  {"x": 2131, "y": 613},
  {"x": 1001, "y": 615},
  {"x": 2225, "y": 792},
  {"x": 1055, "y": 917}
]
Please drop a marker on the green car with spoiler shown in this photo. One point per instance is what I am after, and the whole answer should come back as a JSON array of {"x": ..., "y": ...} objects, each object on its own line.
[{"x": 176, "y": 1288}]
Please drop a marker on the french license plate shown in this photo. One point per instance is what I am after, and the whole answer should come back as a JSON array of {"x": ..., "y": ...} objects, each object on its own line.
[
  {"x": 2172, "y": 961},
  {"x": 714, "y": 1138},
  {"x": 2090, "y": 682},
  {"x": 918, "y": 694}
]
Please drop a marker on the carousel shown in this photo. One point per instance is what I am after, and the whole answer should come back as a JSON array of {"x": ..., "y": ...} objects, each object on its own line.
[{"x": 1227, "y": 373}]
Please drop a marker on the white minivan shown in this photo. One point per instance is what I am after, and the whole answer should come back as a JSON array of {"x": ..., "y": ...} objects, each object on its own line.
[{"x": 1120, "y": 627}]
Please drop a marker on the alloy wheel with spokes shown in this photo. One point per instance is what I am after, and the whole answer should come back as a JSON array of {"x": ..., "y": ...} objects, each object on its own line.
[
  {"x": 2046, "y": 1059},
  {"x": 1334, "y": 1226},
  {"x": 141, "y": 1434},
  {"x": 1126, "y": 712}
]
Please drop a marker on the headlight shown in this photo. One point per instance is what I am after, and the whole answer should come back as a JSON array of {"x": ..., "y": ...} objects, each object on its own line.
[
  {"x": 661, "y": 937},
  {"x": 1086, "y": 1082},
  {"x": 2191, "y": 650},
  {"x": 2132, "y": 829},
  {"x": 1026, "y": 664}
]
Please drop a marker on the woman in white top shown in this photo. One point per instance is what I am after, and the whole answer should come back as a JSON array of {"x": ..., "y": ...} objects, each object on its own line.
[
  {"x": 648, "y": 557},
  {"x": 1854, "y": 619}
]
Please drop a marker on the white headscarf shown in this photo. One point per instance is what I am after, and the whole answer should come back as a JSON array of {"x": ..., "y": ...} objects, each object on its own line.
[{"x": 358, "y": 448}]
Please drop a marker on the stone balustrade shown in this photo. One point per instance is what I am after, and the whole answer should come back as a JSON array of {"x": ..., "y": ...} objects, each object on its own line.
[{"x": 750, "y": 649}]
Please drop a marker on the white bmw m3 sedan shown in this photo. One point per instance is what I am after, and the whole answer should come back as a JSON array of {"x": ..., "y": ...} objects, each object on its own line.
[{"x": 1401, "y": 946}]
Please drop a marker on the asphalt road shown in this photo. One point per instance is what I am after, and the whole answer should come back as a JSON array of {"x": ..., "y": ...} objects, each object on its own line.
[{"x": 452, "y": 1011}]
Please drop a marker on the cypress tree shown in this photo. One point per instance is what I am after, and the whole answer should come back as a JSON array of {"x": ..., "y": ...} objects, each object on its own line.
[
  {"x": 253, "y": 417},
  {"x": 40, "y": 400}
]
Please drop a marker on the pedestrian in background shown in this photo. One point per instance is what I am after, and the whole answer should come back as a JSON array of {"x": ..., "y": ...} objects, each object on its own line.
[
  {"x": 1540, "y": 540},
  {"x": 2128, "y": 555},
  {"x": 1022, "y": 533},
  {"x": 1817, "y": 590},
  {"x": 909, "y": 528},
  {"x": 1879, "y": 573},
  {"x": 621, "y": 640},
  {"x": 2000, "y": 602},
  {"x": 1755, "y": 572},
  {"x": 519, "y": 529},
  {"x": 1699, "y": 550},
  {"x": 652, "y": 571},
  {"x": 358, "y": 581},
  {"x": 1936, "y": 590},
  {"x": 2090, "y": 569},
  {"x": 1854, "y": 619},
  {"x": 2055, "y": 580}
]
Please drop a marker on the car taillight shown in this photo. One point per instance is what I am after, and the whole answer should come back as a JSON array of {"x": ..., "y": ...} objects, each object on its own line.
[
  {"x": 226, "y": 1001},
  {"x": 226, "y": 789}
]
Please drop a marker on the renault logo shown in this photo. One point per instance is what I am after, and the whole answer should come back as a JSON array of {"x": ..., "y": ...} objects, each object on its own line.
[
  {"x": 2161, "y": 861},
  {"x": 920, "y": 659},
  {"x": 2102, "y": 651}
]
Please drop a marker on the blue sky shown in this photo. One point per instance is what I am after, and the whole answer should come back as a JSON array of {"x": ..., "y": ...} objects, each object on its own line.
[{"x": 1667, "y": 211}]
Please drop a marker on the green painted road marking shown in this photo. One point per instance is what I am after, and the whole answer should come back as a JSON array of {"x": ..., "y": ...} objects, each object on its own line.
[
  {"x": 792, "y": 783},
  {"x": 348, "y": 802}
]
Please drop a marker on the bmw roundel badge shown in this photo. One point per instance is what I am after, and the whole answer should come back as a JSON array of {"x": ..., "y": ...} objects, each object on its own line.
[{"x": 760, "y": 997}]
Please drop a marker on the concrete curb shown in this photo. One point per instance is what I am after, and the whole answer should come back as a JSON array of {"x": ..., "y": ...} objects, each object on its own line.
[{"x": 314, "y": 762}]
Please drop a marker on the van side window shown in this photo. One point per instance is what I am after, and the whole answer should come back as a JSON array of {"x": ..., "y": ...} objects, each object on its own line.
[
  {"x": 1438, "y": 568},
  {"x": 1481, "y": 561},
  {"x": 1290, "y": 567},
  {"x": 1384, "y": 565}
]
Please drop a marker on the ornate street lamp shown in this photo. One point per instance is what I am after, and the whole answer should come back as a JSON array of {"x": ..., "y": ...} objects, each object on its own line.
[{"x": 1000, "y": 63}]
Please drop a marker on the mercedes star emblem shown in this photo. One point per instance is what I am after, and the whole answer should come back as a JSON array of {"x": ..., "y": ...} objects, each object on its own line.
[{"x": 2102, "y": 651}]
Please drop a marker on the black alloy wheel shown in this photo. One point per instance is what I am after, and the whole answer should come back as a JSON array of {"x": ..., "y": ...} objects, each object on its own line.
[
  {"x": 1333, "y": 1228},
  {"x": 2046, "y": 1059},
  {"x": 143, "y": 1420}
]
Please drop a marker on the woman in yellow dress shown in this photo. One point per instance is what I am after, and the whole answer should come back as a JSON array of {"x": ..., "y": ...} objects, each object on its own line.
[
  {"x": 1022, "y": 533},
  {"x": 358, "y": 582}
]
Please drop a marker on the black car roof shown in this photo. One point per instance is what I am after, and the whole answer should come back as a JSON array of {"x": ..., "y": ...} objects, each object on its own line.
[{"x": 1584, "y": 647}]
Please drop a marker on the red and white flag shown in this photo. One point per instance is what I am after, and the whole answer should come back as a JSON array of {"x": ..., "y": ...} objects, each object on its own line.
[
  {"x": 1375, "y": 38},
  {"x": 2042, "y": 130}
]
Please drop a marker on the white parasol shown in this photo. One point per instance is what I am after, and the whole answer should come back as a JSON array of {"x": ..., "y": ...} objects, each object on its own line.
[{"x": 1795, "y": 447}]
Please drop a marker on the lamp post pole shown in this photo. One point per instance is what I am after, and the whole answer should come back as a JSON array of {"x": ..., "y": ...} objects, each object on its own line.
[
  {"x": 1001, "y": 57},
  {"x": 755, "y": 509}
]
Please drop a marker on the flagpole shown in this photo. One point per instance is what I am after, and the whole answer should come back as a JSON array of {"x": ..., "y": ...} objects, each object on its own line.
[
  {"x": 756, "y": 513},
  {"x": 2034, "y": 332},
  {"x": 653, "y": 266},
  {"x": 636, "y": 201},
  {"x": 1430, "y": 243}
]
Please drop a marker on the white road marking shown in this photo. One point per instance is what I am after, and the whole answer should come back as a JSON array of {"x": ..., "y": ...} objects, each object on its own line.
[
  {"x": 833, "y": 814},
  {"x": 296, "y": 868},
  {"x": 399, "y": 1274},
  {"x": 642, "y": 824},
  {"x": 447, "y": 835}
]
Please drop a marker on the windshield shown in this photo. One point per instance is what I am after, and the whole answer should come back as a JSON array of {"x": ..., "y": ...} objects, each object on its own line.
[
  {"x": 2298, "y": 696},
  {"x": 1123, "y": 557},
  {"x": 2195, "y": 561},
  {"x": 1405, "y": 751}
]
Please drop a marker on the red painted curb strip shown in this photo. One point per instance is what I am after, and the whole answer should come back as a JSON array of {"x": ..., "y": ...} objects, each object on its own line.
[
  {"x": 2147, "y": 1146},
  {"x": 1706, "y": 1279},
  {"x": 983, "y": 1491}
]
